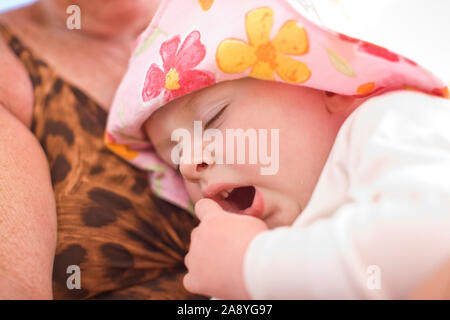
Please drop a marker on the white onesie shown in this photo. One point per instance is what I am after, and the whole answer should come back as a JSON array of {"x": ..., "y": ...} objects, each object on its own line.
[{"x": 378, "y": 221}]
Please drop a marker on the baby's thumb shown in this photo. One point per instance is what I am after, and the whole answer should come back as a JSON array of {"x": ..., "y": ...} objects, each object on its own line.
[{"x": 206, "y": 208}]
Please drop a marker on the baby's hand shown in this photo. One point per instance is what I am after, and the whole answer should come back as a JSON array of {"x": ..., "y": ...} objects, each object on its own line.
[{"x": 216, "y": 254}]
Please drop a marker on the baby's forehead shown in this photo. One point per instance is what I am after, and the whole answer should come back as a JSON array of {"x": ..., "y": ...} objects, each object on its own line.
[
  {"x": 198, "y": 98},
  {"x": 192, "y": 103}
]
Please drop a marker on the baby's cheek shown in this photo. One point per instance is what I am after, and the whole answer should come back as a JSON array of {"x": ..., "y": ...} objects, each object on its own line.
[{"x": 193, "y": 190}]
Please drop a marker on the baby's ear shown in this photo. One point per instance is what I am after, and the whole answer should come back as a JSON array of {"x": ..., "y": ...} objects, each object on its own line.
[{"x": 336, "y": 103}]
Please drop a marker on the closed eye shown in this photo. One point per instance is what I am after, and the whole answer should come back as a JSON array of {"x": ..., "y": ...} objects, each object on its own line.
[{"x": 216, "y": 117}]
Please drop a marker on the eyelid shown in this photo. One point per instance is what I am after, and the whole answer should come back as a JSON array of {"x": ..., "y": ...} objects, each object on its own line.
[{"x": 216, "y": 116}]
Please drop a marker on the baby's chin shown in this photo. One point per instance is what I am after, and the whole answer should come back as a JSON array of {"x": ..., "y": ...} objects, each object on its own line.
[
  {"x": 281, "y": 217},
  {"x": 274, "y": 207}
]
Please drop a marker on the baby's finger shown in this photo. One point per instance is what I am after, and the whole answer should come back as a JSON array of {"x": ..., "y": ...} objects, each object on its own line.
[{"x": 207, "y": 208}]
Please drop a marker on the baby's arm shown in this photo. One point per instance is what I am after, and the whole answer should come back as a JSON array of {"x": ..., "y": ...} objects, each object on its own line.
[
  {"x": 396, "y": 220},
  {"x": 335, "y": 258}
]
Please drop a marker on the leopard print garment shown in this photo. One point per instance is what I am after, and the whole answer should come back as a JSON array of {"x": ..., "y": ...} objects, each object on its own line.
[{"x": 128, "y": 243}]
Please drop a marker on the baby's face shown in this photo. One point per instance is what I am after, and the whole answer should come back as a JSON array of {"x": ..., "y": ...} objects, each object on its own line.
[{"x": 307, "y": 131}]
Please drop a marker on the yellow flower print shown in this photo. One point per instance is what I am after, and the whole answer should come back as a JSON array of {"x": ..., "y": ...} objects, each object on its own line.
[
  {"x": 121, "y": 150},
  {"x": 264, "y": 56},
  {"x": 365, "y": 88},
  {"x": 206, "y": 4}
]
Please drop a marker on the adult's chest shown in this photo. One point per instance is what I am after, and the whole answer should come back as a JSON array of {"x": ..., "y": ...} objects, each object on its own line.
[
  {"x": 109, "y": 223},
  {"x": 94, "y": 66}
]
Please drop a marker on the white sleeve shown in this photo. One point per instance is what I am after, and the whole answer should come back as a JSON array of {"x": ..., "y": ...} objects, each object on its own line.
[{"x": 394, "y": 228}]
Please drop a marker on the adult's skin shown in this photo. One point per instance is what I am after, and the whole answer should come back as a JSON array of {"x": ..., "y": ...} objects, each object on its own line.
[{"x": 94, "y": 59}]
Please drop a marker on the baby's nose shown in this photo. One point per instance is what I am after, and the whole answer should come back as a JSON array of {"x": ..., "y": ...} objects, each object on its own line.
[{"x": 193, "y": 171}]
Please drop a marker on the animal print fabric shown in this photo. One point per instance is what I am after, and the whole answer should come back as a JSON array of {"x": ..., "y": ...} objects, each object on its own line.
[{"x": 128, "y": 243}]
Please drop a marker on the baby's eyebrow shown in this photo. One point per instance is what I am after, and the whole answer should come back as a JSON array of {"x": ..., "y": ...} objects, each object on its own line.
[{"x": 192, "y": 100}]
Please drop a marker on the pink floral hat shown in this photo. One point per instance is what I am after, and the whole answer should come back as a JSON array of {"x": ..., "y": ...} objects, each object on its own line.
[{"x": 192, "y": 44}]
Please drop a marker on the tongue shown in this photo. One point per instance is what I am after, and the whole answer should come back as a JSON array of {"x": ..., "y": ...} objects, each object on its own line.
[{"x": 241, "y": 198}]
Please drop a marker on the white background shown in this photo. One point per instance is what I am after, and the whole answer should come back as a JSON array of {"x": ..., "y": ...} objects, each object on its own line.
[
  {"x": 7, "y": 4},
  {"x": 418, "y": 29}
]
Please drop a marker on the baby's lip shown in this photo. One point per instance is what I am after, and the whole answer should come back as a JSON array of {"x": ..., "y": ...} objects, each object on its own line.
[
  {"x": 211, "y": 190},
  {"x": 257, "y": 207}
]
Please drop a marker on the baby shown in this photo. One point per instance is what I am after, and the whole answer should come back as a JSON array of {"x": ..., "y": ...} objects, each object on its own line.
[
  {"x": 295, "y": 111},
  {"x": 361, "y": 170}
]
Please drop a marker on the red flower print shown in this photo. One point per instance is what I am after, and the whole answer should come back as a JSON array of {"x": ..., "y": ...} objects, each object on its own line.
[
  {"x": 373, "y": 49},
  {"x": 178, "y": 77},
  {"x": 443, "y": 92},
  {"x": 411, "y": 62},
  {"x": 347, "y": 38},
  {"x": 378, "y": 51}
]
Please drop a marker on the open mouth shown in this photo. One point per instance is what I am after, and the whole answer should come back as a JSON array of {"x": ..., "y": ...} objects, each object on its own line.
[
  {"x": 238, "y": 199},
  {"x": 241, "y": 200}
]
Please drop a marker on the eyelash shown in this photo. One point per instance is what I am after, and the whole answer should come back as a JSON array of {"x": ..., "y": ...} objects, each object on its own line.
[{"x": 216, "y": 116}]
